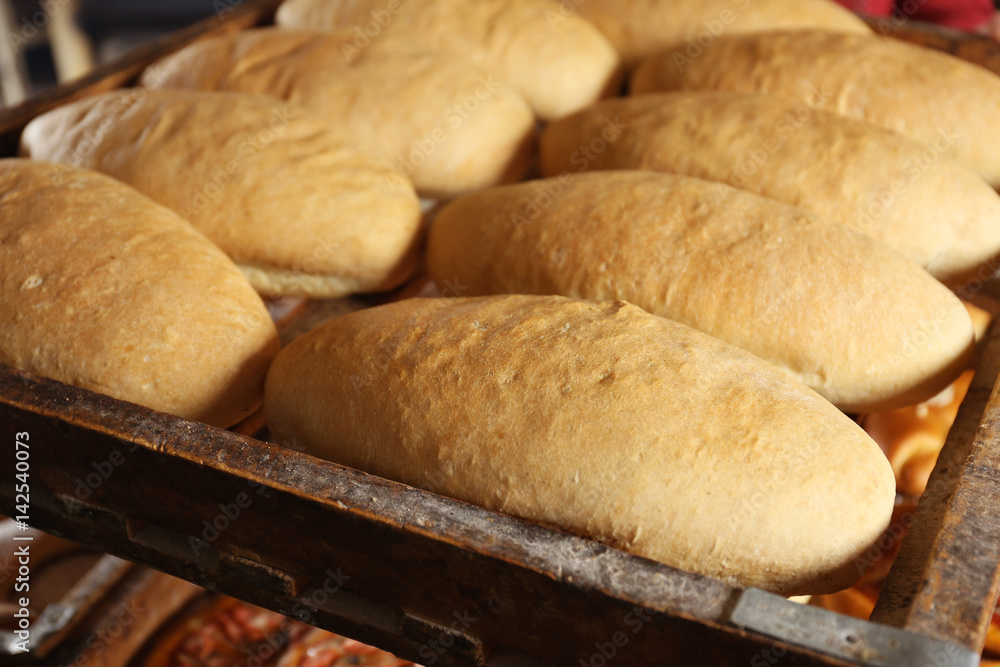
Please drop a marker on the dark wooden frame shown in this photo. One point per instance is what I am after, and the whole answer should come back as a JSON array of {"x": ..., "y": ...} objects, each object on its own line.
[{"x": 442, "y": 582}]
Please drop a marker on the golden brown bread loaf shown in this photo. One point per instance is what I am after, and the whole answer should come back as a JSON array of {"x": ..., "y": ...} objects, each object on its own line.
[
  {"x": 642, "y": 28},
  {"x": 929, "y": 208},
  {"x": 597, "y": 418},
  {"x": 841, "y": 312},
  {"x": 928, "y": 95},
  {"x": 441, "y": 122},
  {"x": 104, "y": 289},
  {"x": 300, "y": 209},
  {"x": 559, "y": 62}
]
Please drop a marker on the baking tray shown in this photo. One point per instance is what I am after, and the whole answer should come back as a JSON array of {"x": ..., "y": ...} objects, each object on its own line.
[{"x": 442, "y": 582}]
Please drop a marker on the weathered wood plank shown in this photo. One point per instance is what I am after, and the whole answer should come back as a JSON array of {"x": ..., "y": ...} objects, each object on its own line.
[
  {"x": 946, "y": 578},
  {"x": 395, "y": 566}
]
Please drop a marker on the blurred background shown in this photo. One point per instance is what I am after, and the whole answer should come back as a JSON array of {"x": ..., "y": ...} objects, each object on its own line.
[{"x": 47, "y": 41}]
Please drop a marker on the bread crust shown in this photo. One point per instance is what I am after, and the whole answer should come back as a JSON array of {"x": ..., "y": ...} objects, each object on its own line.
[
  {"x": 598, "y": 418},
  {"x": 642, "y": 28},
  {"x": 928, "y": 207},
  {"x": 272, "y": 185},
  {"x": 841, "y": 312},
  {"x": 441, "y": 122},
  {"x": 924, "y": 94},
  {"x": 559, "y": 62},
  {"x": 104, "y": 289}
]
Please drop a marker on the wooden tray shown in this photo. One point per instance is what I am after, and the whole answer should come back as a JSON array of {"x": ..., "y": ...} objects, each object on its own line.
[{"x": 445, "y": 583}]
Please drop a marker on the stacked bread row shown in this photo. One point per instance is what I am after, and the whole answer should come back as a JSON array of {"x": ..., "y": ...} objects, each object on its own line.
[
  {"x": 764, "y": 258},
  {"x": 313, "y": 195},
  {"x": 654, "y": 338}
]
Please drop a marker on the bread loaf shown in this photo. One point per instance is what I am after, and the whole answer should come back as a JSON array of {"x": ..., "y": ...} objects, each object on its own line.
[
  {"x": 441, "y": 122},
  {"x": 559, "y": 62},
  {"x": 104, "y": 289},
  {"x": 298, "y": 207},
  {"x": 597, "y": 418},
  {"x": 928, "y": 95},
  {"x": 926, "y": 206},
  {"x": 642, "y": 28},
  {"x": 839, "y": 311}
]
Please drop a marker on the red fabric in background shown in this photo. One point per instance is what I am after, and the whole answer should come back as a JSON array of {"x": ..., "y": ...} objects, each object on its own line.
[
  {"x": 870, "y": 7},
  {"x": 961, "y": 14}
]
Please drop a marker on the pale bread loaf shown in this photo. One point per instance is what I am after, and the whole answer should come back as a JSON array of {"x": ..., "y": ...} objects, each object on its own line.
[
  {"x": 642, "y": 28},
  {"x": 441, "y": 122},
  {"x": 102, "y": 288},
  {"x": 299, "y": 208},
  {"x": 839, "y": 311},
  {"x": 928, "y": 207},
  {"x": 559, "y": 62},
  {"x": 927, "y": 95},
  {"x": 597, "y": 418}
]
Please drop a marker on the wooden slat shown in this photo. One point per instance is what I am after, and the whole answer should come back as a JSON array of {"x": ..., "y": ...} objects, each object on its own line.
[
  {"x": 945, "y": 580},
  {"x": 140, "y": 605}
]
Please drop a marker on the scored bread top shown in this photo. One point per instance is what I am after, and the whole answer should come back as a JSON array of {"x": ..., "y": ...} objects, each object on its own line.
[
  {"x": 273, "y": 185},
  {"x": 930, "y": 208},
  {"x": 863, "y": 326},
  {"x": 559, "y": 62},
  {"x": 598, "y": 418},
  {"x": 930, "y": 96},
  {"x": 442, "y": 122},
  {"x": 102, "y": 288},
  {"x": 642, "y": 28}
]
